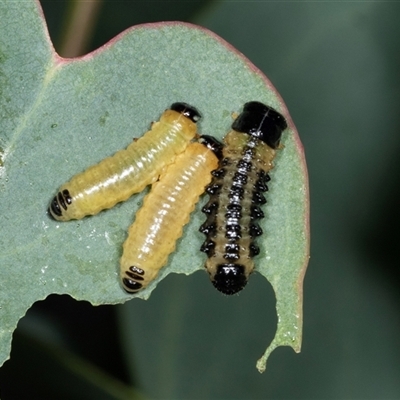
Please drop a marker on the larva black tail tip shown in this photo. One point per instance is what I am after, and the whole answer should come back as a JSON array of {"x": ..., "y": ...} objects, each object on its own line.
[
  {"x": 51, "y": 215},
  {"x": 261, "y": 121},
  {"x": 213, "y": 144},
  {"x": 131, "y": 286},
  {"x": 187, "y": 110},
  {"x": 230, "y": 278},
  {"x": 208, "y": 247},
  {"x": 54, "y": 209}
]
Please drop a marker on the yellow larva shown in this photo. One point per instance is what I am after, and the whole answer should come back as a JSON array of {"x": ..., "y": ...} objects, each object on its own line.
[
  {"x": 128, "y": 171},
  {"x": 166, "y": 209}
]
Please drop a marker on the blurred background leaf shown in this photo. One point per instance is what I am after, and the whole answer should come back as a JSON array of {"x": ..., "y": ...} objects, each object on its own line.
[{"x": 336, "y": 66}]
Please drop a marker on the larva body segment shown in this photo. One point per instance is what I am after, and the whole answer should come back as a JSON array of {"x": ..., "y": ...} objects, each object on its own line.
[
  {"x": 236, "y": 194},
  {"x": 128, "y": 171},
  {"x": 166, "y": 209}
]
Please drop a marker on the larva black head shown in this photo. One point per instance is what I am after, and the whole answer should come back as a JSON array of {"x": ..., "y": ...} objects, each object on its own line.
[
  {"x": 213, "y": 144},
  {"x": 261, "y": 121},
  {"x": 187, "y": 110},
  {"x": 230, "y": 278}
]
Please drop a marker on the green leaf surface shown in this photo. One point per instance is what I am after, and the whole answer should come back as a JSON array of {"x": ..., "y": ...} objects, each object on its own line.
[{"x": 60, "y": 116}]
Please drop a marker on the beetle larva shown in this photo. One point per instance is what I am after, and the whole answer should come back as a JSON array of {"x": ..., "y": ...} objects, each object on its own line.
[
  {"x": 236, "y": 193},
  {"x": 128, "y": 171},
  {"x": 165, "y": 210}
]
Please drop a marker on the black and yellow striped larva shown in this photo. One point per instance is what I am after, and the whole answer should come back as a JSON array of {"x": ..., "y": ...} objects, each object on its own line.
[
  {"x": 130, "y": 170},
  {"x": 236, "y": 193},
  {"x": 166, "y": 209}
]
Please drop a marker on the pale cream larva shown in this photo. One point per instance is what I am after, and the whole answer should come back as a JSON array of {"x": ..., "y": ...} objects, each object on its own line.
[
  {"x": 128, "y": 171},
  {"x": 166, "y": 209}
]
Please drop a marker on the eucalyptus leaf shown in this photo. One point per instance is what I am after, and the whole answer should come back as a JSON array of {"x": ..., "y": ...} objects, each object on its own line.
[{"x": 60, "y": 116}]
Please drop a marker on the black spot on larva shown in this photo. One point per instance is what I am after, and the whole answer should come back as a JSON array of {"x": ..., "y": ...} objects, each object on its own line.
[
  {"x": 255, "y": 230},
  {"x": 130, "y": 285},
  {"x": 208, "y": 247},
  {"x": 187, "y": 110},
  {"x": 234, "y": 207},
  {"x": 210, "y": 208},
  {"x": 231, "y": 256},
  {"x": 256, "y": 212},
  {"x": 236, "y": 193},
  {"x": 258, "y": 198},
  {"x": 218, "y": 173},
  {"x": 61, "y": 201},
  {"x": 254, "y": 250},
  {"x": 230, "y": 278},
  {"x": 233, "y": 232},
  {"x": 240, "y": 178},
  {"x": 225, "y": 162},
  {"x": 136, "y": 270},
  {"x": 232, "y": 247},
  {"x": 249, "y": 152},
  {"x": 260, "y": 185},
  {"x": 232, "y": 252},
  {"x": 263, "y": 175},
  {"x": 234, "y": 211},
  {"x": 231, "y": 222},
  {"x": 208, "y": 228},
  {"x": 213, "y": 188},
  {"x": 67, "y": 196},
  {"x": 262, "y": 122},
  {"x": 244, "y": 166}
]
